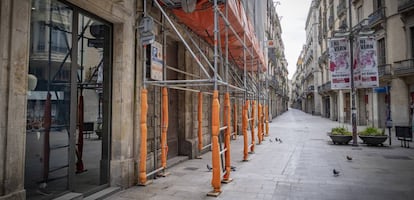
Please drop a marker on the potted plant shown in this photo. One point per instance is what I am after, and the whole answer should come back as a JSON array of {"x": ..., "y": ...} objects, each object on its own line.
[
  {"x": 373, "y": 136},
  {"x": 340, "y": 135}
]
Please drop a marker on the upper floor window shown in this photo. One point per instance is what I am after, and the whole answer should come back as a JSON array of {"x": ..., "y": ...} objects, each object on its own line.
[
  {"x": 378, "y": 4},
  {"x": 360, "y": 13},
  {"x": 412, "y": 41},
  {"x": 381, "y": 52}
]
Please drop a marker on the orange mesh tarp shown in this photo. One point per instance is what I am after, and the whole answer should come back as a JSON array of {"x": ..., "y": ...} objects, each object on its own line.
[{"x": 201, "y": 21}]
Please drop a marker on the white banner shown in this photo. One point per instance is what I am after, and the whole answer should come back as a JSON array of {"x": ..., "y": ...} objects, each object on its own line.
[
  {"x": 339, "y": 64},
  {"x": 366, "y": 62},
  {"x": 156, "y": 62}
]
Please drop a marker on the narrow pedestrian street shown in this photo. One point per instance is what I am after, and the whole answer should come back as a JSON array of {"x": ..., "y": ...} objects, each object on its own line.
[{"x": 299, "y": 167}]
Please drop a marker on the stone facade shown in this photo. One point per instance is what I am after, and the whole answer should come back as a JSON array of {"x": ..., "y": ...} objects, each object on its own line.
[
  {"x": 391, "y": 23},
  {"x": 127, "y": 82}
]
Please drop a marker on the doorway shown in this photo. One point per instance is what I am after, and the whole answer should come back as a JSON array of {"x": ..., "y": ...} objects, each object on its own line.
[{"x": 67, "y": 132}]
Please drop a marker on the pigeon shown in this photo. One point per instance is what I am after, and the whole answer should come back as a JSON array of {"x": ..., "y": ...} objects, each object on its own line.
[
  {"x": 349, "y": 158},
  {"x": 209, "y": 168},
  {"x": 335, "y": 172},
  {"x": 276, "y": 139},
  {"x": 270, "y": 140},
  {"x": 233, "y": 168},
  {"x": 280, "y": 141}
]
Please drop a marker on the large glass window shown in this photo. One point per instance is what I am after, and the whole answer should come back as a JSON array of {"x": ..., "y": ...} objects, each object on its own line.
[
  {"x": 68, "y": 102},
  {"x": 48, "y": 103}
]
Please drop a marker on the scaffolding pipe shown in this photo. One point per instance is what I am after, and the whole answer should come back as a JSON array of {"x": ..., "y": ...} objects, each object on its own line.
[
  {"x": 235, "y": 119},
  {"x": 215, "y": 126},
  {"x": 259, "y": 127},
  {"x": 181, "y": 81},
  {"x": 201, "y": 52},
  {"x": 164, "y": 128},
  {"x": 227, "y": 121},
  {"x": 200, "y": 122},
  {"x": 143, "y": 148},
  {"x": 244, "y": 129},
  {"x": 252, "y": 126},
  {"x": 234, "y": 31},
  {"x": 267, "y": 120},
  {"x": 182, "y": 39},
  {"x": 182, "y": 72}
]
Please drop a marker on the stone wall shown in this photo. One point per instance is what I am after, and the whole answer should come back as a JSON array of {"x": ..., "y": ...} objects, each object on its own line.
[{"x": 14, "y": 40}]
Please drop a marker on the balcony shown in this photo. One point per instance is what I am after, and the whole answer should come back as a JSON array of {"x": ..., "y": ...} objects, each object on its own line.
[
  {"x": 310, "y": 89},
  {"x": 384, "y": 71},
  {"x": 404, "y": 67},
  {"x": 405, "y": 5},
  {"x": 341, "y": 9},
  {"x": 323, "y": 58},
  {"x": 324, "y": 88},
  {"x": 331, "y": 22},
  {"x": 376, "y": 17}
]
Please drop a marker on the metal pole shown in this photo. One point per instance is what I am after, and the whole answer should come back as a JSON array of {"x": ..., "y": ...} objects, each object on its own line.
[
  {"x": 215, "y": 44},
  {"x": 182, "y": 39},
  {"x": 353, "y": 108}
]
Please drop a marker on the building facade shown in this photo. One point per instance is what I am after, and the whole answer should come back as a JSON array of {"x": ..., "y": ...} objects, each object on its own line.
[
  {"x": 72, "y": 75},
  {"x": 390, "y": 23}
]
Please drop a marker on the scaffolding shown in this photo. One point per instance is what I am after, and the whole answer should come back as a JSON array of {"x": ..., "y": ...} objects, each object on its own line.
[{"x": 235, "y": 69}]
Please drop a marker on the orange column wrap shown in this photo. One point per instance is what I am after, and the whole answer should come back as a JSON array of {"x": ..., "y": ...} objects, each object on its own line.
[
  {"x": 164, "y": 128},
  {"x": 245, "y": 121},
  {"x": 142, "y": 177},
  {"x": 267, "y": 120},
  {"x": 200, "y": 122},
  {"x": 252, "y": 126},
  {"x": 259, "y": 123},
  {"x": 227, "y": 117},
  {"x": 215, "y": 126},
  {"x": 235, "y": 120}
]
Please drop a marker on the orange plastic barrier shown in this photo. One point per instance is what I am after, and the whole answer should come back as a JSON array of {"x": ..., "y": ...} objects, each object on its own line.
[
  {"x": 267, "y": 120},
  {"x": 201, "y": 22},
  {"x": 245, "y": 121},
  {"x": 200, "y": 122},
  {"x": 164, "y": 128},
  {"x": 215, "y": 125},
  {"x": 235, "y": 120},
  {"x": 142, "y": 177},
  {"x": 227, "y": 122},
  {"x": 252, "y": 126},
  {"x": 259, "y": 123}
]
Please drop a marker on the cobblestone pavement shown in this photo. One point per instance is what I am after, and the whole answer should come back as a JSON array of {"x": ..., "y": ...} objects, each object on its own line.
[{"x": 298, "y": 168}]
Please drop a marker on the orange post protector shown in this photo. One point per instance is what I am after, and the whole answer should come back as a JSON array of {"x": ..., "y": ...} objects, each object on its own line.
[
  {"x": 142, "y": 177},
  {"x": 215, "y": 124}
]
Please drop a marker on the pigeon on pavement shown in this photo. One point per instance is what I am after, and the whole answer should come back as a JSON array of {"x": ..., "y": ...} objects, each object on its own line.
[
  {"x": 349, "y": 158},
  {"x": 209, "y": 168},
  {"x": 335, "y": 172}
]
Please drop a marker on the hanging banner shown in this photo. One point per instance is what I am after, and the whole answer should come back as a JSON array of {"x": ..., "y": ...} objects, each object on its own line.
[
  {"x": 339, "y": 64},
  {"x": 156, "y": 61},
  {"x": 367, "y": 64}
]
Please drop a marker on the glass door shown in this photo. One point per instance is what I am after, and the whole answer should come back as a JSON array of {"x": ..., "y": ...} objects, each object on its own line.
[{"x": 68, "y": 102}]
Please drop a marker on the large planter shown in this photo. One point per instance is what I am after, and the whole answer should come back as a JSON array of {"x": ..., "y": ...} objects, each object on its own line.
[
  {"x": 340, "y": 139},
  {"x": 374, "y": 140}
]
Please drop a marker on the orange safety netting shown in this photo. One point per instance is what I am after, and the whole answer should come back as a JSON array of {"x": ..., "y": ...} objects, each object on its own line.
[{"x": 201, "y": 21}]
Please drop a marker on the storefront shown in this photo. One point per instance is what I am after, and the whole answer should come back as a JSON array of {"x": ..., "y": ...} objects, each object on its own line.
[{"x": 65, "y": 125}]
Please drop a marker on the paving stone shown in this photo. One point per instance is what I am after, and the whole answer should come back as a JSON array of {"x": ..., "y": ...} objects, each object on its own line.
[{"x": 299, "y": 168}]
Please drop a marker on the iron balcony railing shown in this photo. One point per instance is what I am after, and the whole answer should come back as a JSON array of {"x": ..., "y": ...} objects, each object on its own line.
[
  {"x": 376, "y": 17},
  {"x": 404, "y": 67},
  {"x": 384, "y": 70},
  {"x": 405, "y": 5},
  {"x": 326, "y": 87}
]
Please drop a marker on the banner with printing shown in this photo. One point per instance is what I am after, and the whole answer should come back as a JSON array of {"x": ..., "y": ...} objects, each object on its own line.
[
  {"x": 366, "y": 62},
  {"x": 339, "y": 63}
]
